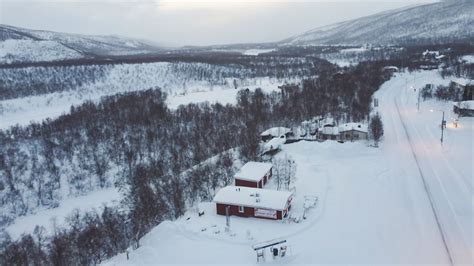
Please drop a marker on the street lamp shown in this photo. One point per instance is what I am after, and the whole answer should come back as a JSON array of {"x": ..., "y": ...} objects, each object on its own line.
[{"x": 443, "y": 124}]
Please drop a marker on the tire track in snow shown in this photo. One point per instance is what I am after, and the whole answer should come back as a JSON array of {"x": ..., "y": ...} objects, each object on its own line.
[
  {"x": 445, "y": 193},
  {"x": 425, "y": 186}
]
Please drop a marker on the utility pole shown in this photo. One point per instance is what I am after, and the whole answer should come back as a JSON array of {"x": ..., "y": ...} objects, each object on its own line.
[
  {"x": 443, "y": 123},
  {"x": 227, "y": 218},
  {"x": 419, "y": 93}
]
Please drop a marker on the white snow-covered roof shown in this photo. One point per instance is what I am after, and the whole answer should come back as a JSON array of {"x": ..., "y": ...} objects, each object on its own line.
[
  {"x": 468, "y": 59},
  {"x": 465, "y": 104},
  {"x": 327, "y": 121},
  {"x": 353, "y": 126},
  {"x": 246, "y": 196},
  {"x": 391, "y": 68},
  {"x": 329, "y": 130},
  {"x": 253, "y": 171},
  {"x": 274, "y": 143},
  {"x": 428, "y": 52},
  {"x": 462, "y": 81},
  {"x": 275, "y": 131}
]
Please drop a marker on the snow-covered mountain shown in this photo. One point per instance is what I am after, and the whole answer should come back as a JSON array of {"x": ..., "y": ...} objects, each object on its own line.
[
  {"x": 26, "y": 45},
  {"x": 431, "y": 23}
]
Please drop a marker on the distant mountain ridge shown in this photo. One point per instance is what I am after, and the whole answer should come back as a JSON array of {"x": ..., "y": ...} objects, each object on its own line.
[
  {"x": 26, "y": 45},
  {"x": 431, "y": 23}
]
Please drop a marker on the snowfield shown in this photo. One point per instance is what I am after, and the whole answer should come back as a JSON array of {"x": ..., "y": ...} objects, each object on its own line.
[
  {"x": 225, "y": 94},
  {"x": 407, "y": 202},
  {"x": 257, "y": 51},
  {"x": 48, "y": 218},
  {"x": 12, "y": 51},
  {"x": 443, "y": 19},
  {"x": 468, "y": 59},
  {"x": 31, "y": 43},
  {"x": 181, "y": 89}
]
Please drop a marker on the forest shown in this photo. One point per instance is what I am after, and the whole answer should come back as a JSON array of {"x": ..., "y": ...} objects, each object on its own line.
[
  {"x": 16, "y": 82},
  {"x": 162, "y": 160}
]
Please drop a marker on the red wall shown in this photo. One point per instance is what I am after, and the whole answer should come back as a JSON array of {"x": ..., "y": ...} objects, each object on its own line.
[
  {"x": 248, "y": 211},
  {"x": 260, "y": 184},
  {"x": 234, "y": 210},
  {"x": 245, "y": 183}
]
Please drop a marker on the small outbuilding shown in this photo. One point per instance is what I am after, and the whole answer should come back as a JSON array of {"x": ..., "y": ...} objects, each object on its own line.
[
  {"x": 353, "y": 131},
  {"x": 328, "y": 132},
  {"x": 253, "y": 202},
  {"x": 392, "y": 69},
  {"x": 465, "y": 87},
  {"x": 430, "y": 54},
  {"x": 275, "y": 132},
  {"x": 274, "y": 145},
  {"x": 464, "y": 108},
  {"x": 253, "y": 174}
]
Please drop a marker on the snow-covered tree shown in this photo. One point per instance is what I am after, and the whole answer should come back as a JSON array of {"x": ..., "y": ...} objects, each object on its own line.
[
  {"x": 284, "y": 172},
  {"x": 376, "y": 128}
]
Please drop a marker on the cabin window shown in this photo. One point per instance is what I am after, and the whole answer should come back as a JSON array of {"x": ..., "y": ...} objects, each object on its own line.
[{"x": 241, "y": 209}]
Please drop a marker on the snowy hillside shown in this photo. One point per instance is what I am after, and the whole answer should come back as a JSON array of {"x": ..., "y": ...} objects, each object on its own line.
[
  {"x": 184, "y": 83},
  {"x": 12, "y": 51},
  {"x": 25, "y": 45},
  {"x": 445, "y": 21}
]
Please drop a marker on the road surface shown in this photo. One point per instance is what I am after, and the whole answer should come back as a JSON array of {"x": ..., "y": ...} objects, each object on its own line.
[{"x": 412, "y": 139}]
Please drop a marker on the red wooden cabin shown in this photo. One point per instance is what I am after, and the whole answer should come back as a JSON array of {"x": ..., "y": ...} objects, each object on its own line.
[
  {"x": 253, "y": 174},
  {"x": 253, "y": 202}
]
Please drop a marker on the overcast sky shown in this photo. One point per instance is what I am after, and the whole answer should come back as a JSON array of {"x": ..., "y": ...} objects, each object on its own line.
[{"x": 190, "y": 22}]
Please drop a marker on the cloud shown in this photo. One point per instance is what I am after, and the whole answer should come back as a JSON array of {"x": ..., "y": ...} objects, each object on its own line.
[{"x": 183, "y": 22}]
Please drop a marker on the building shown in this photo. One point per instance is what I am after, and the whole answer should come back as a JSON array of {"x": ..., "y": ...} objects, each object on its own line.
[
  {"x": 275, "y": 132},
  {"x": 464, "y": 108},
  {"x": 353, "y": 131},
  {"x": 392, "y": 69},
  {"x": 465, "y": 87},
  {"x": 274, "y": 145},
  {"x": 430, "y": 55},
  {"x": 253, "y": 174},
  {"x": 328, "y": 121},
  {"x": 328, "y": 132},
  {"x": 253, "y": 202}
]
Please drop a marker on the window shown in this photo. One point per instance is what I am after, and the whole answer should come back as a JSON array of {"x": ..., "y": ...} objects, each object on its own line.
[{"x": 241, "y": 209}]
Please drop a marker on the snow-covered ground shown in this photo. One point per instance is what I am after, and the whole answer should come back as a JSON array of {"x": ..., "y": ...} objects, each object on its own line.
[
  {"x": 355, "y": 50},
  {"x": 341, "y": 62},
  {"x": 468, "y": 59},
  {"x": 48, "y": 218},
  {"x": 181, "y": 89},
  {"x": 257, "y": 51},
  {"x": 12, "y": 51},
  {"x": 365, "y": 214},
  {"x": 342, "y": 59},
  {"x": 225, "y": 94},
  {"x": 373, "y": 202}
]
